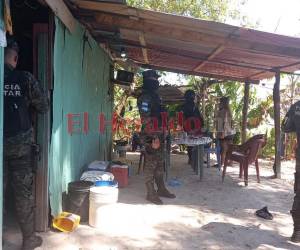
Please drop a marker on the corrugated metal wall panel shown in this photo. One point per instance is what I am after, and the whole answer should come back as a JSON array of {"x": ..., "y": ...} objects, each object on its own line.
[{"x": 81, "y": 84}]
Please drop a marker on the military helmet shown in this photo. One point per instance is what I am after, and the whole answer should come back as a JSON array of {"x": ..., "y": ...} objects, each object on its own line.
[
  {"x": 150, "y": 74},
  {"x": 189, "y": 94}
]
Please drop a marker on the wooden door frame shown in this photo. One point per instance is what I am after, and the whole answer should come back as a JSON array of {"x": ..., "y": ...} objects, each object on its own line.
[{"x": 42, "y": 211}]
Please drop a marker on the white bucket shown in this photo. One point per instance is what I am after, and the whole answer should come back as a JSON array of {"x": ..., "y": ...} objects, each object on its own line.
[{"x": 99, "y": 198}]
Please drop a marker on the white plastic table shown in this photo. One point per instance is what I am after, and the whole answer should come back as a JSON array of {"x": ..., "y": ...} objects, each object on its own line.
[{"x": 199, "y": 143}]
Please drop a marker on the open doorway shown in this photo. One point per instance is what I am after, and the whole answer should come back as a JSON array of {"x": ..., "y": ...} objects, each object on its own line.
[{"x": 33, "y": 30}]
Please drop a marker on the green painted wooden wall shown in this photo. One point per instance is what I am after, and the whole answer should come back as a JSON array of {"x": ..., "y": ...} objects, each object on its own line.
[{"x": 81, "y": 84}]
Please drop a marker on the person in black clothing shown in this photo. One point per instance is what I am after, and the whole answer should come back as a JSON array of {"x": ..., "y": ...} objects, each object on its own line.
[
  {"x": 22, "y": 92},
  {"x": 291, "y": 124},
  {"x": 190, "y": 110}
]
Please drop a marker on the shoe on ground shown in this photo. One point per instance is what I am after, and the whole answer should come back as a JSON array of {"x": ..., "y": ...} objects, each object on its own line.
[
  {"x": 166, "y": 194},
  {"x": 32, "y": 242},
  {"x": 264, "y": 213},
  {"x": 154, "y": 199},
  {"x": 296, "y": 237}
]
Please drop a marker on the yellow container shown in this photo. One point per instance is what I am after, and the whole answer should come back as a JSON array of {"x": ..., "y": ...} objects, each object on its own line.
[{"x": 66, "y": 222}]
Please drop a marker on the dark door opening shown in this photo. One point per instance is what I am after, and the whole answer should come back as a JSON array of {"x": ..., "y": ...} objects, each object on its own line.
[{"x": 33, "y": 30}]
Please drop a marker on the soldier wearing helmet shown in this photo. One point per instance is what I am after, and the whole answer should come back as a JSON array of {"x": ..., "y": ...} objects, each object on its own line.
[{"x": 150, "y": 108}]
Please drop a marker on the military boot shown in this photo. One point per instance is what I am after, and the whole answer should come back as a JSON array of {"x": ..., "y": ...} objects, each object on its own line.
[
  {"x": 162, "y": 190},
  {"x": 296, "y": 234},
  {"x": 152, "y": 195},
  {"x": 30, "y": 239},
  {"x": 31, "y": 242}
]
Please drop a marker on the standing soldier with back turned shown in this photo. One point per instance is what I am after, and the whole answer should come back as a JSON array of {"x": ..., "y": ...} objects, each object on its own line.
[
  {"x": 290, "y": 124},
  {"x": 150, "y": 109},
  {"x": 21, "y": 93}
]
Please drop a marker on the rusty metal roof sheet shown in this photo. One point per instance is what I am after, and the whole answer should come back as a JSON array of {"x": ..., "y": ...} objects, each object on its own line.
[{"x": 188, "y": 45}]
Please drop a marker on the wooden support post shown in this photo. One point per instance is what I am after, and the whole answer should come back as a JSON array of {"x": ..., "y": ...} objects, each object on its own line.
[
  {"x": 245, "y": 111},
  {"x": 276, "y": 99},
  {"x": 204, "y": 94},
  {"x": 62, "y": 11},
  {"x": 211, "y": 56},
  {"x": 144, "y": 50}
]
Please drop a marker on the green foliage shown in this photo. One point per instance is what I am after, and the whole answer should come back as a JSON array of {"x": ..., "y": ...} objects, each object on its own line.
[
  {"x": 204, "y": 9},
  {"x": 260, "y": 112},
  {"x": 233, "y": 90},
  {"x": 173, "y": 109},
  {"x": 269, "y": 149}
]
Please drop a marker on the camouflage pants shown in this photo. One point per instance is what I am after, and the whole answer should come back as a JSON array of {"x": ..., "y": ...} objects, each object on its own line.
[
  {"x": 154, "y": 164},
  {"x": 18, "y": 173},
  {"x": 296, "y": 205}
]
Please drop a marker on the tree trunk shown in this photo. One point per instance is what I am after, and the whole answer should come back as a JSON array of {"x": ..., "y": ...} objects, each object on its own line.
[
  {"x": 245, "y": 111},
  {"x": 204, "y": 91}
]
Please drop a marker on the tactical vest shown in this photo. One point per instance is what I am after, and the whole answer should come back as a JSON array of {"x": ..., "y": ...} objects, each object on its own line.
[{"x": 16, "y": 111}]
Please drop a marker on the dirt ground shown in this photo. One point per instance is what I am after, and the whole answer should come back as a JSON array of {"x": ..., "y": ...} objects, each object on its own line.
[{"x": 205, "y": 215}]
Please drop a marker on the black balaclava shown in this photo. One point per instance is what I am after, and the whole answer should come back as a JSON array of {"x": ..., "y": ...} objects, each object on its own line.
[
  {"x": 189, "y": 96},
  {"x": 151, "y": 84}
]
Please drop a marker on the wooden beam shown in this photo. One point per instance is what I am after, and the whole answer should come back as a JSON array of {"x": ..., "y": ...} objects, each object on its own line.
[
  {"x": 211, "y": 56},
  {"x": 232, "y": 42},
  {"x": 187, "y": 72},
  {"x": 276, "y": 99},
  {"x": 281, "y": 69},
  {"x": 143, "y": 44},
  {"x": 257, "y": 74},
  {"x": 127, "y": 43},
  {"x": 155, "y": 16},
  {"x": 245, "y": 111},
  {"x": 62, "y": 12}
]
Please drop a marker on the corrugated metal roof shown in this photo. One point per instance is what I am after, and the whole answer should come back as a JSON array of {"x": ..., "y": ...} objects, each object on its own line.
[{"x": 188, "y": 45}]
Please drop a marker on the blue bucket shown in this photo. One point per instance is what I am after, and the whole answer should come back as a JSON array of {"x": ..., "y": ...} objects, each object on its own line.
[{"x": 106, "y": 184}]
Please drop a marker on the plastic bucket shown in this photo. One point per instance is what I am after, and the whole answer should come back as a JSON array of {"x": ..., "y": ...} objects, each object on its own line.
[
  {"x": 66, "y": 222},
  {"x": 78, "y": 198},
  {"x": 106, "y": 184},
  {"x": 99, "y": 197}
]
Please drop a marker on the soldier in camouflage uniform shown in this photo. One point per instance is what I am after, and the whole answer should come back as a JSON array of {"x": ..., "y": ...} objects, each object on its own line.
[
  {"x": 150, "y": 108},
  {"x": 21, "y": 93},
  {"x": 291, "y": 123}
]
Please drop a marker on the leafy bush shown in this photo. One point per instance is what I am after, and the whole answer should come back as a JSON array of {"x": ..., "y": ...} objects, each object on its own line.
[{"x": 269, "y": 149}]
